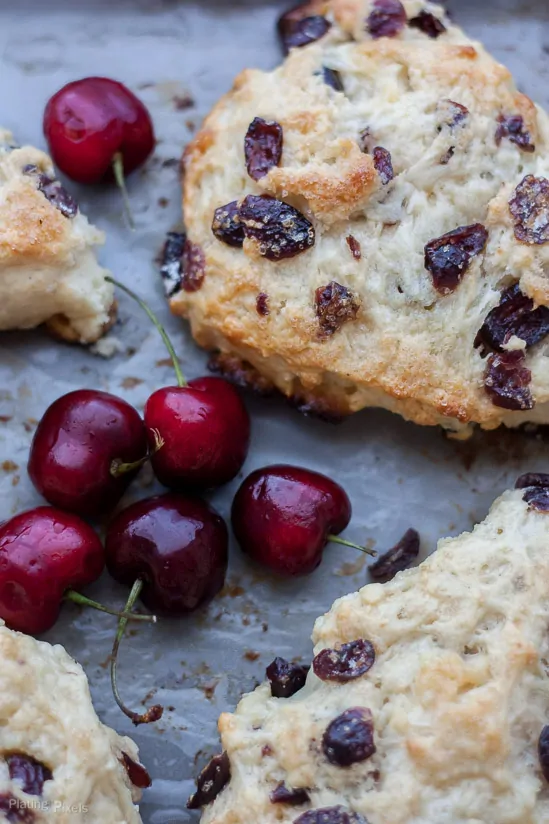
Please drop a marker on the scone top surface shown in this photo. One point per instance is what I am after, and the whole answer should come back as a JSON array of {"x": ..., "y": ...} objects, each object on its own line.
[
  {"x": 428, "y": 136},
  {"x": 456, "y": 698}
]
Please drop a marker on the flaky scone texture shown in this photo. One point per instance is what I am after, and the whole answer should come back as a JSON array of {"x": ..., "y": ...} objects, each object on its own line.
[
  {"x": 459, "y": 694},
  {"x": 407, "y": 346},
  {"x": 46, "y": 714},
  {"x": 48, "y": 269}
]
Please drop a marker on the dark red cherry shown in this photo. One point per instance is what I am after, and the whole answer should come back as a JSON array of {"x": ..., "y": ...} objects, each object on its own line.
[
  {"x": 79, "y": 450},
  {"x": 43, "y": 553},
  {"x": 283, "y": 517},
  {"x": 178, "y": 548}
]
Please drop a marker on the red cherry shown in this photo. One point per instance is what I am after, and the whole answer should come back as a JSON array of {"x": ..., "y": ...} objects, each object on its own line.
[
  {"x": 89, "y": 122},
  {"x": 283, "y": 517},
  {"x": 204, "y": 426},
  {"x": 86, "y": 450},
  {"x": 43, "y": 553}
]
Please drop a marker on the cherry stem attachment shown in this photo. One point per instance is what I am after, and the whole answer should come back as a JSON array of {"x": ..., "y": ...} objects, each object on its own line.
[
  {"x": 153, "y": 713},
  {"x": 118, "y": 170},
  {"x": 84, "y": 601},
  {"x": 119, "y": 468},
  {"x": 335, "y": 539},
  {"x": 164, "y": 335}
]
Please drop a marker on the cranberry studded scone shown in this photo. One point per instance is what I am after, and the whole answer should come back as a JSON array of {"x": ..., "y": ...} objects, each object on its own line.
[
  {"x": 58, "y": 762},
  {"x": 368, "y": 225},
  {"x": 427, "y": 701},
  {"x": 48, "y": 269}
]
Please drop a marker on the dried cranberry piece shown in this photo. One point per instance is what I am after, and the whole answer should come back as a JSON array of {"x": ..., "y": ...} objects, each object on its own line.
[
  {"x": 349, "y": 739},
  {"x": 333, "y": 78},
  {"x": 530, "y": 209},
  {"x": 15, "y": 810},
  {"x": 396, "y": 559},
  {"x": 537, "y": 479},
  {"x": 284, "y": 795},
  {"x": 263, "y": 147},
  {"x": 330, "y": 815},
  {"x": 170, "y": 262},
  {"x": 452, "y": 114},
  {"x": 280, "y": 230},
  {"x": 297, "y": 28},
  {"x": 507, "y": 380},
  {"x": 350, "y": 661},
  {"x": 213, "y": 778},
  {"x": 543, "y": 752},
  {"x": 28, "y": 772},
  {"x": 226, "y": 225},
  {"x": 447, "y": 258},
  {"x": 512, "y": 126},
  {"x": 53, "y": 191},
  {"x": 262, "y": 304},
  {"x": 193, "y": 267},
  {"x": 335, "y": 305},
  {"x": 387, "y": 18},
  {"x": 137, "y": 773},
  {"x": 515, "y": 315},
  {"x": 354, "y": 246},
  {"x": 383, "y": 164},
  {"x": 286, "y": 678},
  {"x": 428, "y": 24},
  {"x": 536, "y": 486}
]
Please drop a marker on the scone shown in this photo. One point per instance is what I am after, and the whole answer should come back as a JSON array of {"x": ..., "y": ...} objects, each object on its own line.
[
  {"x": 368, "y": 225},
  {"x": 427, "y": 701},
  {"x": 48, "y": 269},
  {"x": 57, "y": 761}
]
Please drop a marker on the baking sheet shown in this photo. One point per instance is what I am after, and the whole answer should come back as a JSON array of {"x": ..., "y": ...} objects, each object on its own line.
[{"x": 397, "y": 475}]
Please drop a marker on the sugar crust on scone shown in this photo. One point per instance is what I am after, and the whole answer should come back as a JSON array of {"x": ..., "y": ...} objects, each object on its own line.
[
  {"x": 48, "y": 269},
  {"x": 459, "y": 693},
  {"x": 410, "y": 349}
]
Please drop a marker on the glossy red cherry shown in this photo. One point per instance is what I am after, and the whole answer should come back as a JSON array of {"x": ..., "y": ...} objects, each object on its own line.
[
  {"x": 81, "y": 449},
  {"x": 283, "y": 517},
  {"x": 203, "y": 424},
  {"x": 44, "y": 553},
  {"x": 91, "y": 122}
]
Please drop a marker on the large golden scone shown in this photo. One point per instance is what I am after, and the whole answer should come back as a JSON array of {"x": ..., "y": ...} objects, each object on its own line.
[
  {"x": 48, "y": 269},
  {"x": 361, "y": 318},
  {"x": 455, "y": 702}
]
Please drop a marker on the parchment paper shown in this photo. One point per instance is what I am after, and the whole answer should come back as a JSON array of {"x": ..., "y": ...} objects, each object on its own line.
[{"x": 397, "y": 475}]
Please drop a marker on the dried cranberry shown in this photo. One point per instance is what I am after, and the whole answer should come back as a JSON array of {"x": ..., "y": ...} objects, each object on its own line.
[
  {"x": 350, "y": 661},
  {"x": 54, "y": 191},
  {"x": 538, "y": 479},
  {"x": 280, "y": 230},
  {"x": 543, "y": 752},
  {"x": 383, "y": 164},
  {"x": 193, "y": 267},
  {"x": 349, "y": 739},
  {"x": 262, "y": 304},
  {"x": 213, "y": 778},
  {"x": 447, "y": 258},
  {"x": 286, "y": 678},
  {"x": 514, "y": 315},
  {"x": 512, "y": 126},
  {"x": 330, "y": 815},
  {"x": 283, "y": 795},
  {"x": 15, "y": 810},
  {"x": 530, "y": 209},
  {"x": 507, "y": 381},
  {"x": 335, "y": 305},
  {"x": 226, "y": 225},
  {"x": 428, "y": 24},
  {"x": 396, "y": 559},
  {"x": 170, "y": 262},
  {"x": 137, "y": 773},
  {"x": 333, "y": 78},
  {"x": 536, "y": 495},
  {"x": 297, "y": 28},
  {"x": 263, "y": 147},
  {"x": 387, "y": 18},
  {"x": 354, "y": 246},
  {"x": 29, "y": 773},
  {"x": 451, "y": 114}
]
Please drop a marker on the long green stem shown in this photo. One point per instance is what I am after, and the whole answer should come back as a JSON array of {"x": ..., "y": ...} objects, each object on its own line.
[
  {"x": 335, "y": 539},
  {"x": 84, "y": 601},
  {"x": 167, "y": 342},
  {"x": 153, "y": 713},
  {"x": 118, "y": 170}
]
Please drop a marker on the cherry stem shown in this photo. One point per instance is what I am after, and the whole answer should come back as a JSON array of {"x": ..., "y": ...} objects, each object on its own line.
[
  {"x": 335, "y": 539},
  {"x": 119, "y": 468},
  {"x": 118, "y": 169},
  {"x": 153, "y": 713},
  {"x": 84, "y": 601},
  {"x": 164, "y": 335}
]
